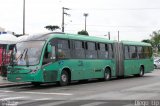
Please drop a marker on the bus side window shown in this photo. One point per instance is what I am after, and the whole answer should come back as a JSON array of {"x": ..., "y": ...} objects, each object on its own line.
[
  {"x": 63, "y": 49},
  {"x": 150, "y": 52},
  {"x": 140, "y": 52},
  {"x": 79, "y": 51},
  {"x": 91, "y": 51},
  {"x": 102, "y": 51},
  {"x": 146, "y": 52},
  {"x": 133, "y": 53}
]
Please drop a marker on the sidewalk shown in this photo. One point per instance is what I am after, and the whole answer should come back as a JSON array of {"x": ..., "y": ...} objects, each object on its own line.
[{"x": 6, "y": 83}]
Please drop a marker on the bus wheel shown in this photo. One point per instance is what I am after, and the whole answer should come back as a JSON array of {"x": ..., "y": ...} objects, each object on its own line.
[
  {"x": 155, "y": 66},
  {"x": 141, "y": 72},
  {"x": 64, "y": 78},
  {"x": 107, "y": 74},
  {"x": 36, "y": 83}
]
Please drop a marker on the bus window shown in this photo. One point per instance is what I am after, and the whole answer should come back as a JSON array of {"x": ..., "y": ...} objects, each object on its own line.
[
  {"x": 140, "y": 52},
  {"x": 53, "y": 56},
  {"x": 79, "y": 51},
  {"x": 91, "y": 50},
  {"x": 102, "y": 51},
  {"x": 132, "y": 50},
  {"x": 63, "y": 49},
  {"x": 126, "y": 51},
  {"x": 150, "y": 52},
  {"x": 146, "y": 52}
]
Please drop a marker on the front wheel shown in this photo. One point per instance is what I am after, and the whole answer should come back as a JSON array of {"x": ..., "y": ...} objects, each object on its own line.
[{"x": 64, "y": 78}]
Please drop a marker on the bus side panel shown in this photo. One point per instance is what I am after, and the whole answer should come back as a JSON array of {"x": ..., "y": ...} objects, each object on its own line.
[
  {"x": 131, "y": 67},
  {"x": 80, "y": 69},
  {"x": 148, "y": 65},
  {"x": 88, "y": 68},
  {"x": 98, "y": 67},
  {"x": 77, "y": 68}
]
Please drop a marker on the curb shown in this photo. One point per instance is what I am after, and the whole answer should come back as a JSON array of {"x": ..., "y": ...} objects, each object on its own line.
[{"x": 3, "y": 85}]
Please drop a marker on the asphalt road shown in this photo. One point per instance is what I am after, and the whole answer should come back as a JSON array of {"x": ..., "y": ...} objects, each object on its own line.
[{"x": 130, "y": 91}]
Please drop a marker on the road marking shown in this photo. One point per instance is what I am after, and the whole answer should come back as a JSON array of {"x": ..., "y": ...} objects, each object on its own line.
[
  {"x": 70, "y": 101},
  {"x": 25, "y": 102},
  {"x": 57, "y": 103},
  {"x": 2, "y": 95},
  {"x": 33, "y": 101},
  {"x": 43, "y": 93},
  {"x": 129, "y": 105},
  {"x": 8, "y": 91},
  {"x": 94, "y": 104},
  {"x": 11, "y": 98},
  {"x": 43, "y": 99},
  {"x": 143, "y": 87},
  {"x": 5, "y": 91}
]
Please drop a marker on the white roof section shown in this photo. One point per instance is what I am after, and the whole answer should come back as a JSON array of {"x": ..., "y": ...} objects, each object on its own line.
[
  {"x": 27, "y": 37},
  {"x": 23, "y": 38},
  {"x": 8, "y": 39}
]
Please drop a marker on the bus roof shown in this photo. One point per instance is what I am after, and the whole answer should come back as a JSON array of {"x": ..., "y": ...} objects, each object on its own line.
[
  {"x": 62, "y": 35},
  {"x": 135, "y": 43},
  {"x": 82, "y": 37}
]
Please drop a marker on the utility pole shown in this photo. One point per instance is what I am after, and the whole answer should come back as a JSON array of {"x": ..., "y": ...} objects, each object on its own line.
[
  {"x": 24, "y": 17},
  {"x": 63, "y": 12},
  {"x": 118, "y": 36},
  {"x": 85, "y": 15},
  {"x": 109, "y": 37}
]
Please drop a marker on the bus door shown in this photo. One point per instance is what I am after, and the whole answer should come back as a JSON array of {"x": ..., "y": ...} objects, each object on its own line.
[{"x": 119, "y": 58}]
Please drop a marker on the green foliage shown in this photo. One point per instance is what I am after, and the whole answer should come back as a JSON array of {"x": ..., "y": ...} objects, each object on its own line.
[
  {"x": 52, "y": 27},
  {"x": 147, "y": 41},
  {"x": 155, "y": 38},
  {"x": 83, "y": 32}
]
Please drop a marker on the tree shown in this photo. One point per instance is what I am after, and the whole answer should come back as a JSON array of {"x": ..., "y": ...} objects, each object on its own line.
[
  {"x": 83, "y": 33},
  {"x": 147, "y": 41},
  {"x": 155, "y": 38},
  {"x": 52, "y": 27}
]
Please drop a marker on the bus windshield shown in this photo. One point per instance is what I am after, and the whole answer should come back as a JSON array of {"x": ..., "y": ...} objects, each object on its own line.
[{"x": 27, "y": 53}]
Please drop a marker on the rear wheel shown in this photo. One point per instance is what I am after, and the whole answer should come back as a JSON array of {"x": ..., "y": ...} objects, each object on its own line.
[
  {"x": 141, "y": 72},
  {"x": 155, "y": 66},
  {"x": 64, "y": 78},
  {"x": 107, "y": 74}
]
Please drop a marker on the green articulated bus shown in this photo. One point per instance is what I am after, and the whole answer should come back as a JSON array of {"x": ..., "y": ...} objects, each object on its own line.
[{"x": 62, "y": 58}]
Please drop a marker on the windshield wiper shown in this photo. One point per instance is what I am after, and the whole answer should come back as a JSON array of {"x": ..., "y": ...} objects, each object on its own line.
[
  {"x": 21, "y": 55},
  {"x": 26, "y": 58}
]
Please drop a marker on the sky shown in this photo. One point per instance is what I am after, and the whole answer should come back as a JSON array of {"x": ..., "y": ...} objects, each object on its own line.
[{"x": 134, "y": 19}]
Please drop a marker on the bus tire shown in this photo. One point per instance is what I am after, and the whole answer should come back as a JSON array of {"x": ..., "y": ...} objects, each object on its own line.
[
  {"x": 107, "y": 74},
  {"x": 155, "y": 67},
  {"x": 141, "y": 73},
  {"x": 64, "y": 79}
]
